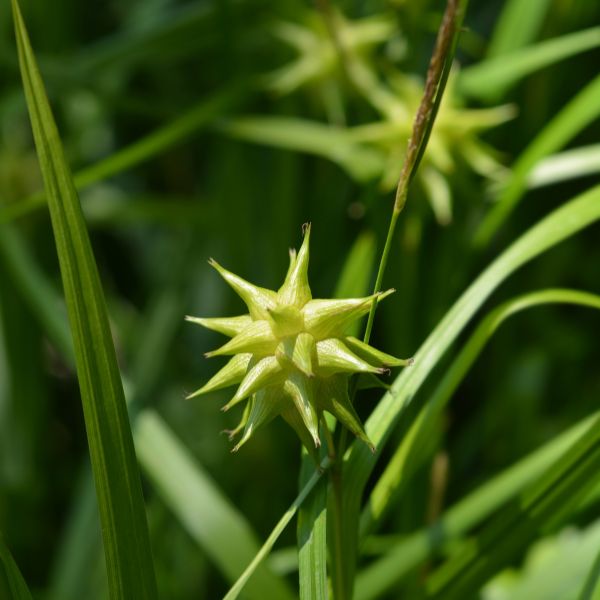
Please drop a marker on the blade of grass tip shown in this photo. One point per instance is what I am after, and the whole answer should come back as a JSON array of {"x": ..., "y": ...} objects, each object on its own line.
[
  {"x": 206, "y": 514},
  {"x": 409, "y": 455},
  {"x": 122, "y": 512},
  {"x": 435, "y": 84},
  {"x": 491, "y": 79},
  {"x": 12, "y": 584},
  {"x": 558, "y": 226},
  {"x": 234, "y": 592},
  {"x": 467, "y": 514},
  {"x": 140, "y": 151},
  {"x": 582, "y": 110},
  {"x": 539, "y": 508}
]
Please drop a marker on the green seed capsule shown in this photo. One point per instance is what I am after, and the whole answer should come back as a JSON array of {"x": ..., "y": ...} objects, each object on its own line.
[{"x": 290, "y": 354}]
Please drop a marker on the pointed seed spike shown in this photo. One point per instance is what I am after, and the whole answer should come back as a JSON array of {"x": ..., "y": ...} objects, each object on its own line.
[
  {"x": 298, "y": 387},
  {"x": 331, "y": 318},
  {"x": 334, "y": 397},
  {"x": 257, "y": 338},
  {"x": 265, "y": 406},
  {"x": 257, "y": 299},
  {"x": 304, "y": 353},
  {"x": 231, "y": 374},
  {"x": 265, "y": 372},
  {"x": 373, "y": 355},
  {"x": 295, "y": 289},
  {"x": 230, "y": 326},
  {"x": 333, "y": 356}
]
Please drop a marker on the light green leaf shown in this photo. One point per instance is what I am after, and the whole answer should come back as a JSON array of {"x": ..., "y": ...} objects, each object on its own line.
[
  {"x": 122, "y": 511},
  {"x": 573, "y": 118},
  {"x": 205, "y": 513},
  {"x": 564, "y": 166},
  {"x": 12, "y": 584},
  {"x": 492, "y": 78},
  {"x": 410, "y": 453}
]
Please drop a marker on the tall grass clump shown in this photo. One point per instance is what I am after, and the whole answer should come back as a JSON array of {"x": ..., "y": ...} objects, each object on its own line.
[{"x": 448, "y": 169}]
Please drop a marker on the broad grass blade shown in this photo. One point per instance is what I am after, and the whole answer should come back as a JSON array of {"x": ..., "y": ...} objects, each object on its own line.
[{"x": 122, "y": 512}]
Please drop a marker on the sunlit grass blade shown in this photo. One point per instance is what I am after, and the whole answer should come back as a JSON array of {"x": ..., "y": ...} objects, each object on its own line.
[
  {"x": 582, "y": 110},
  {"x": 518, "y": 25},
  {"x": 462, "y": 517},
  {"x": 570, "y": 164},
  {"x": 202, "y": 509},
  {"x": 138, "y": 152},
  {"x": 239, "y": 585},
  {"x": 492, "y": 78},
  {"x": 538, "y": 508},
  {"x": 559, "y": 225},
  {"x": 12, "y": 584},
  {"x": 122, "y": 512},
  {"x": 410, "y": 453}
]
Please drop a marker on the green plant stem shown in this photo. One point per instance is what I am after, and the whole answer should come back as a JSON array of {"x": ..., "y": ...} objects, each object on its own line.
[{"x": 437, "y": 76}]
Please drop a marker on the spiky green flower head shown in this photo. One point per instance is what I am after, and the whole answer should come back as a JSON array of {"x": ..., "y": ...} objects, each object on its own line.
[{"x": 290, "y": 355}]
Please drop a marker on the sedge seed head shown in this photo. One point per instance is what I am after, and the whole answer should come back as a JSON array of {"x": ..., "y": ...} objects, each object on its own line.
[{"x": 290, "y": 356}]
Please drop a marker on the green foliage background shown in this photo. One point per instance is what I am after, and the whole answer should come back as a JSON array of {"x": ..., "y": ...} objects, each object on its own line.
[{"x": 115, "y": 72}]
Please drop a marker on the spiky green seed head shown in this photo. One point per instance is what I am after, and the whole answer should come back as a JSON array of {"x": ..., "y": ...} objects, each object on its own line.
[{"x": 290, "y": 355}]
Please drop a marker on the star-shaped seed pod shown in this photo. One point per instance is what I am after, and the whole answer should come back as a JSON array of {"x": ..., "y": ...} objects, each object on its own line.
[{"x": 290, "y": 355}]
